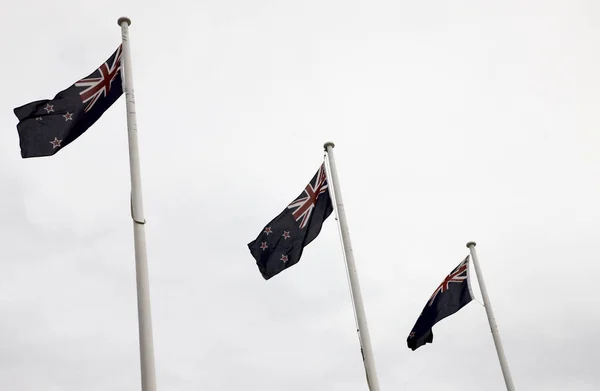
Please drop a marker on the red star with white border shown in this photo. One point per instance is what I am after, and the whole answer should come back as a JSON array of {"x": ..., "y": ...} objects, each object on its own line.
[
  {"x": 49, "y": 108},
  {"x": 283, "y": 258},
  {"x": 286, "y": 234},
  {"x": 263, "y": 246},
  {"x": 268, "y": 230},
  {"x": 55, "y": 143},
  {"x": 68, "y": 116}
]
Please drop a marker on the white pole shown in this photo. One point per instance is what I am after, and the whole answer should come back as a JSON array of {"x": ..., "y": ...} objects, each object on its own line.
[
  {"x": 490, "y": 315},
  {"x": 363, "y": 330},
  {"x": 137, "y": 214}
]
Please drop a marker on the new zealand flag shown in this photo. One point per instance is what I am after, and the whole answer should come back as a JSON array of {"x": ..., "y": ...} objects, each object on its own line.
[
  {"x": 47, "y": 126},
  {"x": 449, "y": 297},
  {"x": 281, "y": 242}
]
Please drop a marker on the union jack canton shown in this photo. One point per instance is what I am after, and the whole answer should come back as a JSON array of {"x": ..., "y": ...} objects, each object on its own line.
[
  {"x": 305, "y": 203},
  {"x": 100, "y": 85}
]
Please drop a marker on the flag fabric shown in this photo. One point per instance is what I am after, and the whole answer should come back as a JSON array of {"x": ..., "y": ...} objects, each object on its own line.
[
  {"x": 47, "y": 126},
  {"x": 282, "y": 240},
  {"x": 449, "y": 297}
]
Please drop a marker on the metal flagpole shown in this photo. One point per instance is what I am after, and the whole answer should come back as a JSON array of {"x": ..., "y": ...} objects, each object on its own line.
[
  {"x": 363, "y": 330},
  {"x": 490, "y": 315},
  {"x": 137, "y": 214}
]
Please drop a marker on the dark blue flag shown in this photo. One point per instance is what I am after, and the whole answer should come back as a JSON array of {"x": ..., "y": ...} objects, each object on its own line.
[
  {"x": 47, "y": 126},
  {"x": 449, "y": 297},
  {"x": 282, "y": 240}
]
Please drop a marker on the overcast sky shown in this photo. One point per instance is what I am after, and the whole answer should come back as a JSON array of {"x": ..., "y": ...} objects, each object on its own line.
[{"x": 453, "y": 121}]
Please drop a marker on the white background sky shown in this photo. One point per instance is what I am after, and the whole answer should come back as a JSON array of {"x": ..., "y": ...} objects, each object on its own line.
[{"x": 453, "y": 121}]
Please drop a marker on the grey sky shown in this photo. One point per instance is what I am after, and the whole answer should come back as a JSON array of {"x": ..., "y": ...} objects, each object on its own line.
[{"x": 453, "y": 121}]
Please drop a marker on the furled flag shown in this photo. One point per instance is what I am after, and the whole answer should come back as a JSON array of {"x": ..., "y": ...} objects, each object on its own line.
[
  {"x": 47, "y": 126},
  {"x": 282, "y": 240},
  {"x": 449, "y": 297}
]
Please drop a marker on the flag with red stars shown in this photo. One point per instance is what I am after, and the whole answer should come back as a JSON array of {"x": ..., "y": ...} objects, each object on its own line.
[
  {"x": 449, "y": 297},
  {"x": 281, "y": 242},
  {"x": 46, "y": 126}
]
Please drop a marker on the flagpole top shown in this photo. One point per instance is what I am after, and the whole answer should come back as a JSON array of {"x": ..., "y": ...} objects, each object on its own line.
[
  {"x": 471, "y": 244},
  {"x": 328, "y": 144},
  {"x": 124, "y": 19}
]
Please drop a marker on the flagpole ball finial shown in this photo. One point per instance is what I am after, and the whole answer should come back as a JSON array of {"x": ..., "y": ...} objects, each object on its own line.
[
  {"x": 328, "y": 144},
  {"x": 471, "y": 244},
  {"x": 124, "y": 19}
]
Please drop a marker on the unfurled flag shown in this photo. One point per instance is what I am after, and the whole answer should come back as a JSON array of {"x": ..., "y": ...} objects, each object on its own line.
[
  {"x": 449, "y": 297},
  {"x": 46, "y": 126},
  {"x": 282, "y": 240}
]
